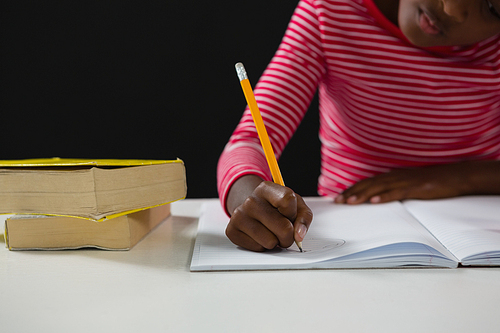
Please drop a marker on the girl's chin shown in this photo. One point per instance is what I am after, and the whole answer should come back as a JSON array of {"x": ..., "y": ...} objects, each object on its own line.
[
  {"x": 420, "y": 39},
  {"x": 420, "y": 30}
]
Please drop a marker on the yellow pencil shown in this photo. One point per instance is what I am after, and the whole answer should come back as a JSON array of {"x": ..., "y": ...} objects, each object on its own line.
[{"x": 261, "y": 128}]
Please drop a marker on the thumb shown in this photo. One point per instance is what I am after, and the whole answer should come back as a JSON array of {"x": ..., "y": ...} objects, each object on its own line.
[{"x": 303, "y": 220}]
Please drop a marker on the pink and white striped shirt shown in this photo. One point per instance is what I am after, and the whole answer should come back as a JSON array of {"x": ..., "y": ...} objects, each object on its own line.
[{"x": 384, "y": 103}]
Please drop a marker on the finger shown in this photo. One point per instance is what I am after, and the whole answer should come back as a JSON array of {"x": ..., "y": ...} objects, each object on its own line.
[
  {"x": 263, "y": 223},
  {"x": 369, "y": 190},
  {"x": 401, "y": 193},
  {"x": 303, "y": 220},
  {"x": 282, "y": 198},
  {"x": 350, "y": 195},
  {"x": 239, "y": 238}
]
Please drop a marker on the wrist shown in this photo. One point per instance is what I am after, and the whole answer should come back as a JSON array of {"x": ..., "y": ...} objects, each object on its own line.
[
  {"x": 482, "y": 177},
  {"x": 241, "y": 189}
]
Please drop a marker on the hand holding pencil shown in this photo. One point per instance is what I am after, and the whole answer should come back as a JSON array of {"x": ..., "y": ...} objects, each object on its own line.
[{"x": 264, "y": 214}]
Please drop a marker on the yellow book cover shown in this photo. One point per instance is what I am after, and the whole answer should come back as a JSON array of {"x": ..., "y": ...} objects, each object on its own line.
[
  {"x": 71, "y": 162},
  {"x": 95, "y": 189}
]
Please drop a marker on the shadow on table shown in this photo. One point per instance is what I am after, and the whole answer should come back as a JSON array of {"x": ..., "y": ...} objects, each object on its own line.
[{"x": 168, "y": 246}]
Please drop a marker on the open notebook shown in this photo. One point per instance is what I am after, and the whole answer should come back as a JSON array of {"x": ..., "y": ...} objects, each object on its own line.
[{"x": 413, "y": 233}]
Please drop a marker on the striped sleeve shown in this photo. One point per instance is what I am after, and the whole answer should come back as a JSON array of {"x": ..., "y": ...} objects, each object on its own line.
[{"x": 283, "y": 94}]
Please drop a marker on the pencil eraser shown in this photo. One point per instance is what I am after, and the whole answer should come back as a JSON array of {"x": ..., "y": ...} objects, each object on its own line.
[{"x": 240, "y": 70}]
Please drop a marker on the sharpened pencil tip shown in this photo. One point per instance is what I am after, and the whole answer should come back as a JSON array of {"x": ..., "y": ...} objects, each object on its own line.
[{"x": 299, "y": 245}]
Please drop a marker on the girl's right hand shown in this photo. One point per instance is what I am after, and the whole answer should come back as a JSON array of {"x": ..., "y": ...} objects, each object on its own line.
[{"x": 271, "y": 215}]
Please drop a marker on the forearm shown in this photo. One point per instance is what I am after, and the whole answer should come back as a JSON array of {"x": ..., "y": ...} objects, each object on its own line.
[{"x": 481, "y": 177}]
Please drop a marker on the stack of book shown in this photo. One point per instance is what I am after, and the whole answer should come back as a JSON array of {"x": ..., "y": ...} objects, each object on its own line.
[{"x": 73, "y": 203}]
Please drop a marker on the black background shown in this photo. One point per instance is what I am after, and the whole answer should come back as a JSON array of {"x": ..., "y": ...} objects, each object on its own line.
[{"x": 140, "y": 79}]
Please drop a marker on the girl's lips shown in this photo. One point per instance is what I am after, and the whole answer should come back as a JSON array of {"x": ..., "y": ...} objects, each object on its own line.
[{"x": 428, "y": 24}]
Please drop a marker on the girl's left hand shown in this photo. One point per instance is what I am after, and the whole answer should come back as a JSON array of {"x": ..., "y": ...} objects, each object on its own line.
[{"x": 432, "y": 182}]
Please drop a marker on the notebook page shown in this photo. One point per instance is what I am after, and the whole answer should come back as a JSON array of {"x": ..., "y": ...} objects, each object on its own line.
[
  {"x": 337, "y": 231},
  {"x": 467, "y": 226}
]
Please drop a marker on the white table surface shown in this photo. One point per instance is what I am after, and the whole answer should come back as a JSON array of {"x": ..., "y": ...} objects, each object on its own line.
[{"x": 150, "y": 289}]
